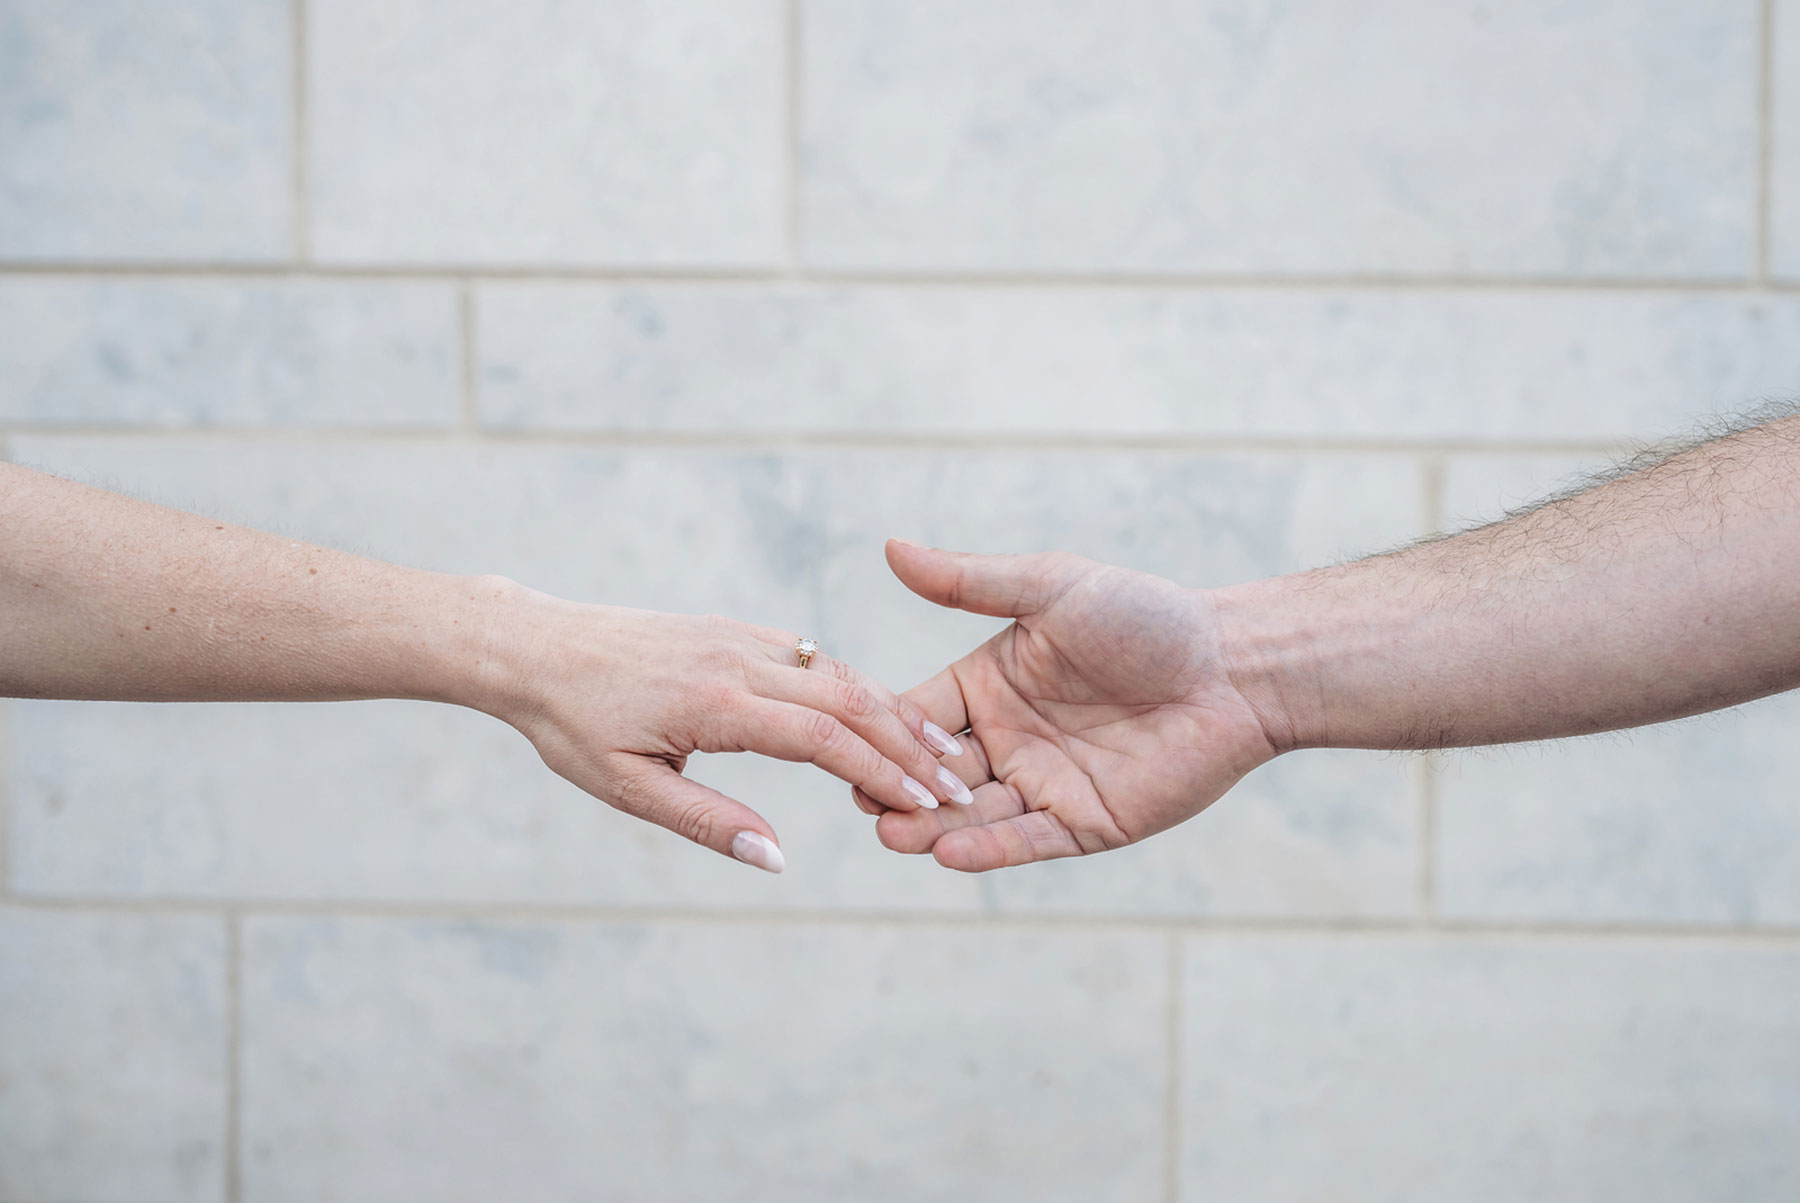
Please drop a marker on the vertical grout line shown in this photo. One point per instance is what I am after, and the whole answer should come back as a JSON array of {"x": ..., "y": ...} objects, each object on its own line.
[
  {"x": 791, "y": 213},
  {"x": 1765, "y": 133},
  {"x": 234, "y": 1010},
  {"x": 1426, "y": 769},
  {"x": 1433, "y": 468},
  {"x": 1172, "y": 1078},
  {"x": 6, "y": 836},
  {"x": 302, "y": 243},
  {"x": 470, "y": 421},
  {"x": 6, "y": 719}
]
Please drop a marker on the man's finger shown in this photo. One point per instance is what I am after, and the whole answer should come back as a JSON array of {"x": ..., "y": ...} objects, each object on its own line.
[
  {"x": 1003, "y": 586},
  {"x": 918, "y": 830},
  {"x": 941, "y": 700},
  {"x": 1036, "y": 836}
]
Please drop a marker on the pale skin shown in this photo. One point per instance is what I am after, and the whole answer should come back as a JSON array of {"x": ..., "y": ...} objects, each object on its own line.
[
  {"x": 107, "y": 597},
  {"x": 1118, "y": 704}
]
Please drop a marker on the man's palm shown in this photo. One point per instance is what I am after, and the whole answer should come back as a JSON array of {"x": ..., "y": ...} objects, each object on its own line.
[{"x": 1101, "y": 716}]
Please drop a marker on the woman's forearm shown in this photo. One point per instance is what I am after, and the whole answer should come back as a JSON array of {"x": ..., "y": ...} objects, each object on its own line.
[
  {"x": 106, "y": 597},
  {"x": 1663, "y": 593}
]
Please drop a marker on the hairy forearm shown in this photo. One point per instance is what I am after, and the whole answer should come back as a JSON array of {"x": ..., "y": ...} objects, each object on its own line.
[
  {"x": 106, "y": 597},
  {"x": 1666, "y": 592}
]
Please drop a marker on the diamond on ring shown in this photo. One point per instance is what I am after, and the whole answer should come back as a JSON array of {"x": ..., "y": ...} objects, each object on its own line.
[{"x": 808, "y": 648}]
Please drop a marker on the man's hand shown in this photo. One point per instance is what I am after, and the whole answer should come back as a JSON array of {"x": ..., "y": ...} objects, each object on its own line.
[
  {"x": 1104, "y": 714},
  {"x": 1119, "y": 704}
]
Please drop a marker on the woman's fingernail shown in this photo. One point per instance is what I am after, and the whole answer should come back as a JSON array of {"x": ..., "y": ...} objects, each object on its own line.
[
  {"x": 757, "y": 850},
  {"x": 959, "y": 793},
  {"x": 919, "y": 793},
  {"x": 942, "y": 740}
]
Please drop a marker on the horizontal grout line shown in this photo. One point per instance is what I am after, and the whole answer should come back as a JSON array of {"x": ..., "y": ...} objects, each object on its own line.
[
  {"x": 518, "y": 912},
  {"x": 779, "y": 440},
  {"x": 776, "y": 274}
]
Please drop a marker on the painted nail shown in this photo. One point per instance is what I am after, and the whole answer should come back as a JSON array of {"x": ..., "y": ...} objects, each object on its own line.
[
  {"x": 918, "y": 793},
  {"x": 756, "y": 850},
  {"x": 959, "y": 793},
  {"x": 942, "y": 740}
]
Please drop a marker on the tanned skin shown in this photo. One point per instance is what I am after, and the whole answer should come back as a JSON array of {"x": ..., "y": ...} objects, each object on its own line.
[{"x": 1119, "y": 704}]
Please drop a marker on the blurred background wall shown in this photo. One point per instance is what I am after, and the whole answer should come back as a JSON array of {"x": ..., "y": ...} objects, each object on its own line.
[{"x": 688, "y": 304}]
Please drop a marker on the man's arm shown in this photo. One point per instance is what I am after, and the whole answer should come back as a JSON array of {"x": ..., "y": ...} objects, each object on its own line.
[
  {"x": 1118, "y": 704},
  {"x": 105, "y": 597},
  {"x": 1665, "y": 592}
]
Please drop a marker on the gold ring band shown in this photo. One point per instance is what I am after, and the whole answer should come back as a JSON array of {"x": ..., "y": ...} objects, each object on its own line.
[{"x": 807, "y": 648}]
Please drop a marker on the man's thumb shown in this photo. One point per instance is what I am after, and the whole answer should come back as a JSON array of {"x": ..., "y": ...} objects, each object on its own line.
[{"x": 1004, "y": 586}]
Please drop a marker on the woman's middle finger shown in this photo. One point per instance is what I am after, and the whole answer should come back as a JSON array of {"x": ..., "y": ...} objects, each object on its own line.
[{"x": 865, "y": 709}]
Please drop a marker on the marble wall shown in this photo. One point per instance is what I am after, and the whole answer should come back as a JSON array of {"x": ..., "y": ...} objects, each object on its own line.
[{"x": 688, "y": 304}]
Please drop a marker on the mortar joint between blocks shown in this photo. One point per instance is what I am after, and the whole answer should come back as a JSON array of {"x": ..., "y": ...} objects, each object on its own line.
[
  {"x": 468, "y": 404},
  {"x": 7, "y": 708},
  {"x": 1174, "y": 1079},
  {"x": 792, "y": 17},
  {"x": 302, "y": 231},
  {"x": 234, "y": 1051},
  {"x": 1765, "y": 135}
]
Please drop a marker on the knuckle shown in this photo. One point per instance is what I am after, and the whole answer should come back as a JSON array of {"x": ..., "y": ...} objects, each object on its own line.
[
  {"x": 824, "y": 730},
  {"x": 695, "y": 820},
  {"x": 626, "y": 792},
  {"x": 718, "y": 700},
  {"x": 855, "y": 701},
  {"x": 734, "y": 664}
]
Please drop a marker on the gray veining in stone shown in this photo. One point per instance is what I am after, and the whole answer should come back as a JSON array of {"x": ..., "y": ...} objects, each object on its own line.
[
  {"x": 1604, "y": 139},
  {"x": 671, "y": 1061},
  {"x": 150, "y": 133}
]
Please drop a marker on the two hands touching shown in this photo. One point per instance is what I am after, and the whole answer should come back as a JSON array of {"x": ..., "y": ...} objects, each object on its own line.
[
  {"x": 1118, "y": 704},
  {"x": 1101, "y": 715},
  {"x": 1114, "y": 706}
]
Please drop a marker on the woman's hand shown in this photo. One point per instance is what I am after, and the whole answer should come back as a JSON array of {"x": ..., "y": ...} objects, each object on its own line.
[
  {"x": 106, "y": 597},
  {"x": 616, "y": 699}
]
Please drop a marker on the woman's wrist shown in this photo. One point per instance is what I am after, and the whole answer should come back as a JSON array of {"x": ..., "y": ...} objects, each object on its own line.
[{"x": 491, "y": 633}]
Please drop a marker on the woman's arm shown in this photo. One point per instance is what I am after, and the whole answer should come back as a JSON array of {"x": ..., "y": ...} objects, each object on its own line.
[{"x": 105, "y": 597}]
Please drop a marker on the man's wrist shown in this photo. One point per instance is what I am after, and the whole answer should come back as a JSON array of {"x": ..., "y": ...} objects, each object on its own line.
[{"x": 1269, "y": 653}]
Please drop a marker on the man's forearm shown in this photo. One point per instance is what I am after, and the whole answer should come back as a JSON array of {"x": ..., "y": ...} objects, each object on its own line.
[
  {"x": 1664, "y": 593},
  {"x": 102, "y": 596}
]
